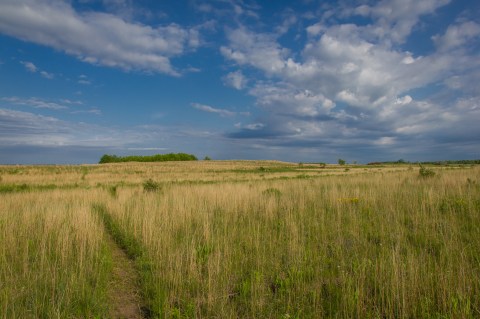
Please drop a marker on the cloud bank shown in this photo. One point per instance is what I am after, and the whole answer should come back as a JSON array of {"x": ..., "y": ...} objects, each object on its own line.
[
  {"x": 354, "y": 88},
  {"x": 97, "y": 37}
]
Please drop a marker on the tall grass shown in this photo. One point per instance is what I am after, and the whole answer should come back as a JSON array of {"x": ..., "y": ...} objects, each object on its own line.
[
  {"x": 392, "y": 245},
  {"x": 228, "y": 240},
  {"x": 53, "y": 260}
]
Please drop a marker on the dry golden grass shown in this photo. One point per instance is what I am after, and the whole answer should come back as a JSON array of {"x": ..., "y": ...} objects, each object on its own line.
[
  {"x": 244, "y": 240},
  {"x": 52, "y": 258},
  {"x": 378, "y": 245}
]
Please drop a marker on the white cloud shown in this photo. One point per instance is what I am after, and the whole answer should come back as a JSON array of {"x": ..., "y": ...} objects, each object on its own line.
[
  {"x": 315, "y": 29},
  {"x": 404, "y": 100},
  {"x": 289, "y": 100},
  {"x": 254, "y": 126},
  {"x": 34, "y": 69},
  {"x": 236, "y": 80},
  {"x": 22, "y": 127},
  {"x": 97, "y": 38},
  {"x": 457, "y": 35},
  {"x": 395, "y": 19},
  {"x": 126, "y": 9},
  {"x": 47, "y": 75},
  {"x": 258, "y": 50},
  {"x": 221, "y": 112},
  {"x": 84, "y": 80},
  {"x": 90, "y": 111},
  {"x": 386, "y": 140},
  {"x": 29, "y": 66},
  {"x": 289, "y": 19},
  {"x": 28, "y": 129},
  {"x": 35, "y": 103},
  {"x": 355, "y": 85}
]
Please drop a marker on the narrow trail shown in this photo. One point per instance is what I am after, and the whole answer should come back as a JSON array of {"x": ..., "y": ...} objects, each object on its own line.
[{"x": 125, "y": 299}]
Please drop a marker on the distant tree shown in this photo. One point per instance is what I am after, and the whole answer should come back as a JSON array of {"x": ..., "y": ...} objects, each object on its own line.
[
  {"x": 148, "y": 158},
  {"x": 108, "y": 159},
  {"x": 341, "y": 161},
  {"x": 207, "y": 158}
]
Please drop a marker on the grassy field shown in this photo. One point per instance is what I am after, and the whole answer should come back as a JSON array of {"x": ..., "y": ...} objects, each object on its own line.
[{"x": 242, "y": 239}]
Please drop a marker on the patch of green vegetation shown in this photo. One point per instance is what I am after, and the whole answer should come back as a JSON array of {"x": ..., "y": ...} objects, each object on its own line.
[
  {"x": 151, "y": 186},
  {"x": 426, "y": 172},
  {"x": 16, "y": 188},
  {"x": 272, "y": 192},
  {"x": 148, "y": 158}
]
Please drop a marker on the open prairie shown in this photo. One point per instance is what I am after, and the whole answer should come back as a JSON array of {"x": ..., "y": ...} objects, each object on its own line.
[{"x": 239, "y": 239}]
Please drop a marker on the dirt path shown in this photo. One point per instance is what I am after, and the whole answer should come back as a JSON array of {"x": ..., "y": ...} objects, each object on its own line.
[{"x": 125, "y": 300}]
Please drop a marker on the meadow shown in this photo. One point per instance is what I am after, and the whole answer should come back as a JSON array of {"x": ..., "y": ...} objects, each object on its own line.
[{"x": 242, "y": 239}]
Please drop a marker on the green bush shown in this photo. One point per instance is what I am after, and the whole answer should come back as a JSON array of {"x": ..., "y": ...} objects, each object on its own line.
[
  {"x": 425, "y": 172},
  {"x": 150, "y": 185}
]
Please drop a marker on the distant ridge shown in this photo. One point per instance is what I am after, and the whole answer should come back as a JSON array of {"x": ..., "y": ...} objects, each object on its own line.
[{"x": 467, "y": 162}]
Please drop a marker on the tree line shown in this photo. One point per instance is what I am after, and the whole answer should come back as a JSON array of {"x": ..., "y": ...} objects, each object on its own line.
[{"x": 147, "y": 158}]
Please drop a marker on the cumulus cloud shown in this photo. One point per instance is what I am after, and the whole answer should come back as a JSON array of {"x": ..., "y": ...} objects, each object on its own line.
[
  {"x": 255, "y": 49},
  {"x": 236, "y": 80},
  {"x": 289, "y": 100},
  {"x": 355, "y": 85},
  {"x": 96, "y": 37}
]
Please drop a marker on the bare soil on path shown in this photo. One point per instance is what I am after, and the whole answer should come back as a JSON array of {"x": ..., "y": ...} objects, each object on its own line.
[{"x": 125, "y": 299}]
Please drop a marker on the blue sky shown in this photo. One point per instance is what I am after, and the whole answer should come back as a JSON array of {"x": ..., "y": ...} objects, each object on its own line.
[{"x": 309, "y": 81}]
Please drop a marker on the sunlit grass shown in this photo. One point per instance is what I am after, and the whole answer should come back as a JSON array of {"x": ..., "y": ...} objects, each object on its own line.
[
  {"x": 366, "y": 246},
  {"x": 53, "y": 262},
  {"x": 243, "y": 240}
]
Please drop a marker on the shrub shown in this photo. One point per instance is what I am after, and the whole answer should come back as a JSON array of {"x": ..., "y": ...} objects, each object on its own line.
[
  {"x": 425, "y": 172},
  {"x": 150, "y": 185},
  {"x": 341, "y": 161}
]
